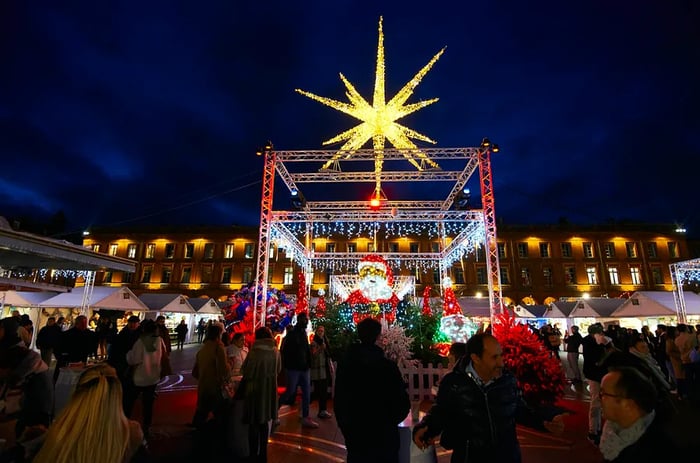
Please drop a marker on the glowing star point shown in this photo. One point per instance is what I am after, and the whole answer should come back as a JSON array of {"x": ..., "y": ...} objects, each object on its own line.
[{"x": 378, "y": 120}]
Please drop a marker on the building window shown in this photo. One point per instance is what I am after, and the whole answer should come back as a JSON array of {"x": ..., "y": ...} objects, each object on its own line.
[
  {"x": 592, "y": 275},
  {"x": 504, "y": 276},
  {"x": 522, "y": 250},
  {"x": 209, "y": 251},
  {"x": 226, "y": 275},
  {"x": 481, "y": 276},
  {"x": 547, "y": 276},
  {"x": 393, "y": 247},
  {"x": 150, "y": 251},
  {"x": 501, "y": 250},
  {"x": 631, "y": 249},
  {"x": 657, "y": 275},
  {"x": 228, "y": 251},
  {"x": 525, "y": 277},
  {"x": 459, "y": 276},
  {"x": 288, "y": 276},
  {"x": 588, "y": 250},
  {"x": 166, "y": 274},
  {"x": 614, "y": 275},
  {"x": 127, "y": 277},
  {"x": 146, "y": 275},
  {"x": 186, "y": 275},
  {"x": 417, "y": 274},
  {"x": 131, "y": 251},
  {"x": 96, "y": 248},
  {"x": 570, "y": 275},
  {"x": 651, "y": 250},
  {"x": 609, "y": 250},
  {"x": 672, "y": 249},
  {"x": 436, "y": 276},
  {"x": 413, "y": 248},
  {"x": 636, "y": 275},
  {"x": 247, "y": 275},
  {"x": 371, "y": 248},
  {"x": 113, "y": 248},
  {"x": 248, "y": 252},
  {"x": 206, "y": 273},
  {"x": 435, "y": 247},
  {"x": 189, "y": 250},
  {"x": 566, "y": 250},
  {"x": 169, "y": 250},
  {"x": 352, "y": 247},
  {"x": 330, "y": 247},
  {"x": 544, "y": 250},
  {"x": 108, "y": 277}
]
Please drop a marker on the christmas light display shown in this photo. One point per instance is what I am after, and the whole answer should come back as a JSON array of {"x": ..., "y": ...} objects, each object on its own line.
[
  {"x": 539, "y": 374},
  {"x": 426, "y": 300},
  {"x": 321, "y": 304},
  {"x": 373, "y": 296},
  {"x": 379, "y": 119},
  {"x": 454, "y": 324}
]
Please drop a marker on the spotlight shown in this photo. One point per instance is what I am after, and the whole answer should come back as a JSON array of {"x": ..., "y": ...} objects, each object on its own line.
[
  {"x": 298, "y": 200},
  {"x": 495, "y": 148},
  {"x": 485, "y": 142},
  {"x": 462, "y": 199}
]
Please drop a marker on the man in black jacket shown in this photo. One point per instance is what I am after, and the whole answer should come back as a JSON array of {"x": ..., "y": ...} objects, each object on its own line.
[
  {"x": 593, "y": 370},
  {"x": 477, "y": 407},
  {"x": 296, "y": 360},
  {"x": 370, "y": 399}
]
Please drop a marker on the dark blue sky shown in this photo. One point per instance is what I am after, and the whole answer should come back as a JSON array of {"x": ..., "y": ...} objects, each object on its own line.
[{"x": 151, "y": 112}]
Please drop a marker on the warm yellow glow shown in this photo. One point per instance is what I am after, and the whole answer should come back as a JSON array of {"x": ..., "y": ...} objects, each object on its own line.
[{"x": 379, "y": 119}]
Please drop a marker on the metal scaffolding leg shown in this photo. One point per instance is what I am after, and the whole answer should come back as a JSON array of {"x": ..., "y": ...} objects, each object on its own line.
[{"x": 87, "y": 293}]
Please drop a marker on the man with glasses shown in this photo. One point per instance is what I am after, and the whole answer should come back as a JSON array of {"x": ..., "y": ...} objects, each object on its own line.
[{"x": 633, "y": 432}]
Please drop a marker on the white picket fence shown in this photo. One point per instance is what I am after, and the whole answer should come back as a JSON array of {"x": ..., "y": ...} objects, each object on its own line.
[{"x": 422, "y": 381}]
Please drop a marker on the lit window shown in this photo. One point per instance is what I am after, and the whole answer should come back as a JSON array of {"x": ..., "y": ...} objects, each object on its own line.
[
  {"x": 588, "y": 250},
  {"x": 636, "y": 275},
  {"x": 631, "y": 249},
  {"x": 113, "y": 248},
  {"x": 330, "y": 247},
  {"x": 186, "y": 275},
  {"x": 96, "y": 248},
  {"x": 352, "y": 247},
  {"x": 614, "y": 275},
  {"x": 672, "y": 249},
  {"x": 544, "y": 250},
  {"x": 108, "y": 277},
  {"x": 570, "y": 275},
  {"x": 150, "y": 251},
  {"x": 131, "y": 251},
  {"x": 288, "y": 276},
  {"x": 609, "y": 250},
  {"x": 592, "y": 275},
  {"x": 228, "y": 251}
]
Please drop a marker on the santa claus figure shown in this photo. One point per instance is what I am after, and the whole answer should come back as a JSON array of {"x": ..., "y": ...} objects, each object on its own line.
[{"x": 374, "y": 296}]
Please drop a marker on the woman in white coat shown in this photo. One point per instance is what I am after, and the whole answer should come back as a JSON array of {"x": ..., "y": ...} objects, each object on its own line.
[{"x": 145, "y": 358}]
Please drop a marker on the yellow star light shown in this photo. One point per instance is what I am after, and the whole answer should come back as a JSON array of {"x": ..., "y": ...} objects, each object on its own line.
[{"x": 379, "y": 119}]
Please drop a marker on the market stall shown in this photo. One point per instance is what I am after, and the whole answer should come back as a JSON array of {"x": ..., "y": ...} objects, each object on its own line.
[
  {"x": 174, "y": 307},
  {"x": 206, "y": 309},
  {"x": 25, "y": 302}
]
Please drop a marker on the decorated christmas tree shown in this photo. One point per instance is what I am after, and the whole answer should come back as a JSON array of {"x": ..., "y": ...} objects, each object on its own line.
[
  {"x": 302, "y": 300},
  {"x": 321, "y": 304},
  {"x": 449, "y": 304},
  {"x": 540, "y": 376}
]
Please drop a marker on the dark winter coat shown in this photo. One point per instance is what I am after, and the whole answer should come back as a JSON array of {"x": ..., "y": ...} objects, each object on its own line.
[
  {"x": 593, "y": 353},
  {"x": 655, "y": 445},
  {"x": 296, "y": 353},
  {"x": 478, "y": 422},
  {"x": 370, "y": 401}
]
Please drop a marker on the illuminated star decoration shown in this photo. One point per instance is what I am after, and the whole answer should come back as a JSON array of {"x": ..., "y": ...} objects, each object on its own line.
[{"x": 379, "y": 119}]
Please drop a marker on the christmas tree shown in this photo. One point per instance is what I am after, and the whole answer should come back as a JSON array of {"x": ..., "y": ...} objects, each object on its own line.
[
  {"x": 426, "y": 300},
  {"x": 302, "y": 301}
]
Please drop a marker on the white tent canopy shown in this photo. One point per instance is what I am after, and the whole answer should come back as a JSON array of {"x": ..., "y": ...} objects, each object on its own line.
[
  {"x": 167, "y": 302},
  {"x": 207, "y": 306},
  {"x": 475, "y": 306},
  {"x": 649, "y": 304},
  {"x": 560, "y": 309},
  {"x": 25, "y": 298},
  {"x": 103, "y": 297}
]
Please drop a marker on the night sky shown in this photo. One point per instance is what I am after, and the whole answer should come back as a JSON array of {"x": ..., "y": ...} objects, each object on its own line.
[{"x": 151, "y": 111}]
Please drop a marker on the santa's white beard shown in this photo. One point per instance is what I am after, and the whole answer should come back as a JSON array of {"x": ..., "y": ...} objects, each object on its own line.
[{"x": 375, "y": 289}]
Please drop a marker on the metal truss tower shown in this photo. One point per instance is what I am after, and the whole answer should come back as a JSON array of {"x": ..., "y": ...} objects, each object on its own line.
[
  {"x": 460, "y": 232},
  {"x": 681, "y": 273}
]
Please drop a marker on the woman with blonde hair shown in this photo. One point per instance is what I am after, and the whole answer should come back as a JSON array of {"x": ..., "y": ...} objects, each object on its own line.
[{"x": 92, "y": 426}]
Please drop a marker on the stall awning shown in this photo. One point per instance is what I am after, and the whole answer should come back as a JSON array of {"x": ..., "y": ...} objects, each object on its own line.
[
  {"x": 531, "y": 311},
  {"x": 647, "y": 304},
  {"x": 25, "y": 298},
  {"x": 208, "y": 306},
  {"x": 475, "y": 306},
  {"x": 103, "y": 297},
  {"x": 166, "y": 302}
]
